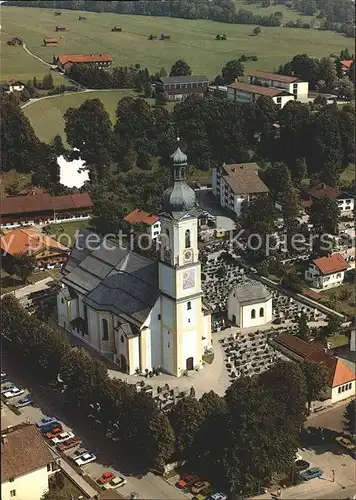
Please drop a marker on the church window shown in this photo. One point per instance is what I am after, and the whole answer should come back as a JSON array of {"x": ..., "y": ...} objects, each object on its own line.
[
  {"x": 62, "y": 300},
  {"x": 169, "y": 344},
  {"x": 105, "y": 328},
  {"x": 253, "y": 314},
  {"x": 159, "y": 317},
  {"x": 189, "y": 306},
  {"x": 187, "y": 238},
  {"x": 122, "y": 339},
  {"x": 262, "y": 312}
]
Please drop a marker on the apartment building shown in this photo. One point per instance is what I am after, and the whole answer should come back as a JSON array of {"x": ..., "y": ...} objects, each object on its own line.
[
  {"x": 290, "y": 84},
  {"x": 245, "y": 92}
]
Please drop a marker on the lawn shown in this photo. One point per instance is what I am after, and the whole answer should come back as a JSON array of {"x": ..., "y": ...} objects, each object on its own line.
[
  {"x": 348, "y": 176},
  {"x": 192, "y": 40},
  {"x": 15, "y": 180},
  {"x": 342, "y": 298},
  {"x": 65, "y": 232},
  {"x": 288, "y": 14}
]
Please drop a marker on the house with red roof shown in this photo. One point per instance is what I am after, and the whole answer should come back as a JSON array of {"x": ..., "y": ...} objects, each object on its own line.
[
  {"x": 345, "y": 201},
  {"x": 346, "y": 65},
  {"x": 340, "y": 378},
  {"x": 327, "y": 272},
  {"x": 66, "y": 62},
  {"x": 149, "y": 221}
]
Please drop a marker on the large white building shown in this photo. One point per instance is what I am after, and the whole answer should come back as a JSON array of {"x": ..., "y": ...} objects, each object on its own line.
[
  {"x": 291, "y": 84},
  {"x": 142, "y": 314},
  {"x": 236, "y": 185},
  {"x": 26, "y": 463},
  {"x": 245, "y": 92},
  {"x": 249, "y": 305}
]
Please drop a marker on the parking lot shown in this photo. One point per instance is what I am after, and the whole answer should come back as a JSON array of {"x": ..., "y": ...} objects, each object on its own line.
[{"x": 148, "y": 486}]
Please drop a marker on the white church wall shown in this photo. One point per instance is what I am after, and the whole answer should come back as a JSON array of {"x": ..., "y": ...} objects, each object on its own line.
[
  {"x": 206, "y": 340},
  {"x": 153, "y": 323},
  {"x": 233, "y": 309},
  {"x": 249, "y": 321},
  {"x": 62, "y": 308},
  {"x": 105, "y": 345},
  {"x": 168, "y": 349},
  {"x": 189, "y": 348},
  {"x": 167, "y": 280},
  {"x": 134, "y": 355},
  {"x": 93, "y": 329},
  {"x": 80, "y": 306},
  {"x": 167, "y": 312}
]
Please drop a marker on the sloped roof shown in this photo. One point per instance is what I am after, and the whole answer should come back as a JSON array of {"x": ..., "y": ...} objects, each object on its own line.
[
  {"x": 257, "y": 89},
  {"x": 43, "y": 203},
  {"x": 250, "y": 293},
  {"x": 138, "y": 216},
  {"x": 84, "y": 58},
  {"x": 112, "y": 278},
  {"x": 333, "y": 264},
  {"x": 25, "y": 451},
  {"x": 244, "y": 179},
  {"x": 184, "y": 79},
  {"x": 273, "y": 76},
  {"x": 338, "y": 372},
  {"x": 347, "y": 63},
  {"x": 19, "y": 241},
  {"x": 322, "y": 190},
  {"x": 297, "y": 346}
]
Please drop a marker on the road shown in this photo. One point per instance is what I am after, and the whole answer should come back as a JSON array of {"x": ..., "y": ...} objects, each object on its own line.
[{"x": 46, "y": 402}]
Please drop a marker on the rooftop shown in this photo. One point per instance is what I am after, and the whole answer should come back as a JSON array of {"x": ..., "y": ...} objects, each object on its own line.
[
  {"x": 333, "y": 264},
  {"x": 273, "y": 76},
  {"x": 84, "y": 58},
  {"x": 258, "y": 89},
  {"x": 249, "y": 293},
  {"x": 184, "y": 79},
  {"x": 140, "y": 217},
  {"x": 44, "y": 203},
  {"x": 338, "y": 372},
  {"x": 23, "y": 451},
  {"x": 322, "y": 190},
  {"x": 347, "y": 63},
  {"x": 243, "y": 178},
  {"x": 297, "y": 346},
  {"x": 19, "y": 241}
]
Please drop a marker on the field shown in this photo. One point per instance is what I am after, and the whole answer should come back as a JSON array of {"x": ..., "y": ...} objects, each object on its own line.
[
  {"x": 191, "y": 40},
  {"x": 288, "y": 14}
]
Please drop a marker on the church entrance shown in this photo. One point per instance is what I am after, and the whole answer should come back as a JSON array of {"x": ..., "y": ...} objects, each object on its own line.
[
  {"x": 123, "y": 363},
  {"x": 190, "y": 364},
  {"x": 234, "y": 319}
]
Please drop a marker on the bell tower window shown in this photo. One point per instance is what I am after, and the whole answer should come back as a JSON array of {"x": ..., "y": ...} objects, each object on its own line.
[{"x": 187, "y": 238}]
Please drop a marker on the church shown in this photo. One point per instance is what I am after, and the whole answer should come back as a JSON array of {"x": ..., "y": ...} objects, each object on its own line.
[{"x": 142, "y": 314}]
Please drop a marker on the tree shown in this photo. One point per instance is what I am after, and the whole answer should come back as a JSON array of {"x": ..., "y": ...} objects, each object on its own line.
[
  {"x": 186, "y": 417},
  {"x": 316, "y": 377},
  {"x": 279, "y": 181},
  {"x": 303, "y": 328},
  {"x": 325, "y": 215},
  {"x": 261, "y": 216},
  {"x": 180, "y": 68},
  {"x": 349, "y": 417},
  {"x": 332, "y": 328},
  {"x": 47, "y": 82},
  {"x": 23, "y": 265},
  {"x": 321, "y": 100},
  {"x": 344, "y": 88},
  {"x": 327, "y": 73},
  {"x": 232, "y": 71},
  {"x": 147, "y": 89},
  {"x": 257, "y": 31}
]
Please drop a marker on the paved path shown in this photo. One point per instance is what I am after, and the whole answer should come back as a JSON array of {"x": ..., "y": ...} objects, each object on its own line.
[
  {"x": 78, "y": 479},
  {"x": 34, "y": 287}
]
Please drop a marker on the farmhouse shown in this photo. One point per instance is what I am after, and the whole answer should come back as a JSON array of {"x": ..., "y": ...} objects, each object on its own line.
[
  {"x": 327, "y": 272},
  {"x": 245, "y": 92},
  {"x": 345, "y": 201},
  {"x": 42, "y": 209},
  {"x": 341, "y": 379},
  {"x": 236, "y": 185},
  {"x": 66, "y": 62},
  {"x": 26, "y": 463},
  {"x": 48, "y": 252},
  {"x": 50, "y": 42},
  {"x": 290, "y": 84},
  {"x": 142, "y": 314},
  {"x": 249, "y": 305},
  {"x": 60, "y": 28},
  {"x": 151, "y": 222},
  {"x": 14, "y": 86},
  {"x": 179, "y": 87},
  {"x": 346, "y": 65},
  {"x": 15, "y": 41}
]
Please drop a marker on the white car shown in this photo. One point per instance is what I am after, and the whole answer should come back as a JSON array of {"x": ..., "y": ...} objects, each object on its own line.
[
  {"x": 84, "y": 459},
  {"x": 62, "y": 437},
  {"x": 13, "y": 392}
]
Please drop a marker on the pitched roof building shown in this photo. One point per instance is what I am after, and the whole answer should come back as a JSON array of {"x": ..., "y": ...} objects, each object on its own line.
[
  {"x": 236, "y": 185},
  {"x": 345, "y": 200},
  {"x": 152, "y": 222},
  {"x": 333, "y": 264},
  {"x": 66, "y": 61},
  {"x": 26, "y": 463},
  {"x": 248, "y": 92},
  {"x": 327, "y": 272},
  {"x": 341, "y": 379},
  {"x": 179, "y": 87}
]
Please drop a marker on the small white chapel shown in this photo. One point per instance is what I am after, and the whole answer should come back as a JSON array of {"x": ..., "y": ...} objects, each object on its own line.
[
  {"x": 142, "y": 314},
  {"x": 249, "y": 305}
]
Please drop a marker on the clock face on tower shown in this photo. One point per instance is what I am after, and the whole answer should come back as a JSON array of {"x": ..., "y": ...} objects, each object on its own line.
[
  {"x": 167, "y": 255},
  {"x": 189, "y": 279},
  {"x": 188, "y": 256}
]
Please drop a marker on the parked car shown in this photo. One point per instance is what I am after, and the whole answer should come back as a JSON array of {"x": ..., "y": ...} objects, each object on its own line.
[
  {"x": 13, "y": 392},
  {"x": 45, "y": 421},
  {"x": 23, "y": 402},
  {"x": 200, "y": 487},
  {"x": 70, "y": 443},
  {"x": 54, "y": 432},
  {"x": 187, "y": 481},
  {"x": 311, "y": 473},
  {"x": 115, "y": 483},
  {"x": 60, "y": 438},
  {"x": 217, "y": 496},
  {"x": 106, "y": 478},
  {"x": 301, "y": 465},
  {"x": 85, "y": 459},
  {"x": 346, "y": 442},
  {"x": 7, "y": 387},
  {"x": 3, "y": 375}
]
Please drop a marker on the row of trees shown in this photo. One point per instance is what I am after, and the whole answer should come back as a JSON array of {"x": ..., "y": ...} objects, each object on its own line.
[{"x": 238, "y": 441}]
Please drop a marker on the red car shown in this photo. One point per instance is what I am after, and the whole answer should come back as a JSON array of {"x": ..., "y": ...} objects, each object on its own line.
[
  {"x": 70, "y": 443},
  {"x": 106, "y": 478},
  {"x": 187, "y": 481},
  {"x": 54, "y": 432}
]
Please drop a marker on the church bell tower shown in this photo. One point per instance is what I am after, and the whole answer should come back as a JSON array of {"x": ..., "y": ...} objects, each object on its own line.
[{"x": 180, "y": 274}]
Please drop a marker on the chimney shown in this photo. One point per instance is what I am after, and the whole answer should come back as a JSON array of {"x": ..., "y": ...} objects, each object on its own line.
[{"x": 4, "y": 439}]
